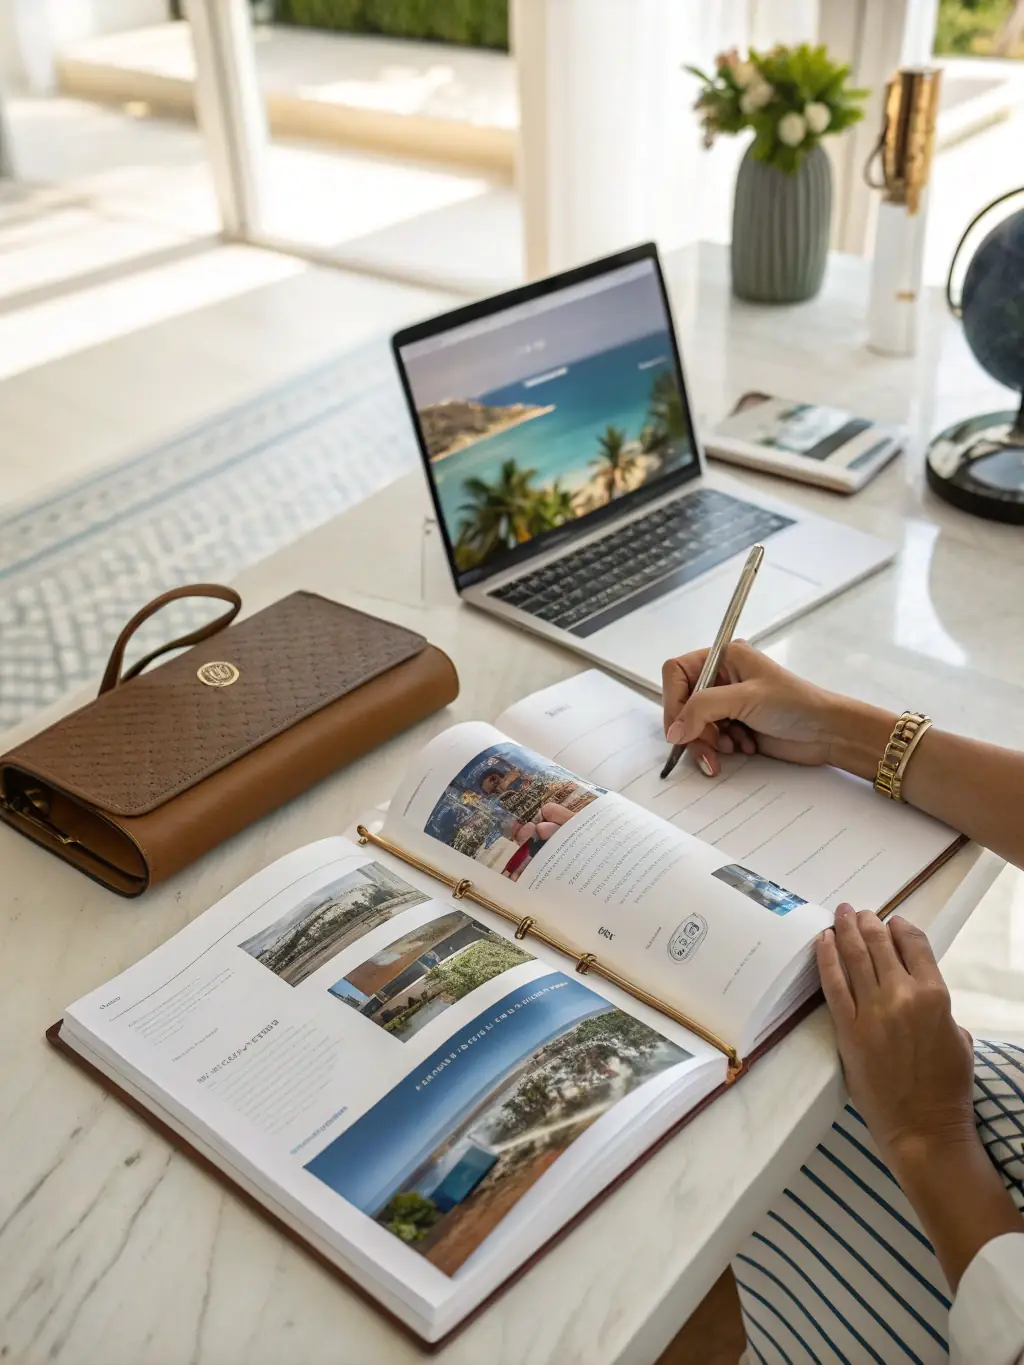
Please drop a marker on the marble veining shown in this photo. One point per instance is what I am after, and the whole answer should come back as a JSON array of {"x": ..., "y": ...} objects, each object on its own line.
[{"x": 114, "y": 1251}]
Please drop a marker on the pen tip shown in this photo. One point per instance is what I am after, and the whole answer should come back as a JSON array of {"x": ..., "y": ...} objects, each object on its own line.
[{"x": 669, "y": 765}]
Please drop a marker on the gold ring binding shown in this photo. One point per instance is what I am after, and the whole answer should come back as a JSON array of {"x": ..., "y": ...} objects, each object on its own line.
[{"x": 585, "y": 962}]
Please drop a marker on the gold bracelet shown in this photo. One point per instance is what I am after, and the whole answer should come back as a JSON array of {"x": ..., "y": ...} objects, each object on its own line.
[{"x": 892, "y": 766}]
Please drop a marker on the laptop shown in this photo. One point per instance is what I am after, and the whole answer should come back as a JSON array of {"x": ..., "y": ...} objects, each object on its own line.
[{"x": 569, "y": 482}]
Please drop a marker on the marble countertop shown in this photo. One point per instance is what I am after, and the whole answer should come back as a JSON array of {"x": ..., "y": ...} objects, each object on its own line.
[{"x": 114, "y": 1249}]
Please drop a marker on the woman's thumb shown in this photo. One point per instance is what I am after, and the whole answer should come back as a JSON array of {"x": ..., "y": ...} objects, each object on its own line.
[{"x": 704, "y": 708}]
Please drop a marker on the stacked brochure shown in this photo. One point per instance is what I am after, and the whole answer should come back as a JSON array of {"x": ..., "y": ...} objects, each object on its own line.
[{"x": 426, "y": 1052}]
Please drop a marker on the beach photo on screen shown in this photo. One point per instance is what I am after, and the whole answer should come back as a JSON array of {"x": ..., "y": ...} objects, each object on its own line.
[
  {"x": 402, "y": 987},
  {"x": 505, "y": 804},
  {"x": 534, "y": 420},
  {"x": 329, "y": 919},
  {"x": 769, "y": 894},
  {"x": 451, "y": 1149}
]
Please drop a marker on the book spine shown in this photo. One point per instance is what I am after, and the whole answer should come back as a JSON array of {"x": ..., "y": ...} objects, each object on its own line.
[{"x": 527, "y": 927}]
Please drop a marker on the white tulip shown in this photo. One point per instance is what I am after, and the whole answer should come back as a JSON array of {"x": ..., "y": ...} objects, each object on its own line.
[
  {"x": 818, "y": 116},
  {"x": 791, "y": 129},
  {"x": 744, "y": 74},
  {"x": 759, "y": 94}
]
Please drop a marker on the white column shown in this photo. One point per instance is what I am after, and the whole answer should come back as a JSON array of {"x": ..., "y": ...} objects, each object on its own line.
[
  {"x": 874, "y": 37},
  {"x": 230, "y": 109}
]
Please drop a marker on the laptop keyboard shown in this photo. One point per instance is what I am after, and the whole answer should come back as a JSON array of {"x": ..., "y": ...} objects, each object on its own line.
[{"x": 650, "y": 556}]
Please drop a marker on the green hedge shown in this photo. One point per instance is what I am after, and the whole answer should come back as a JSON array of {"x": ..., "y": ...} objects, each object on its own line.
[{"x": 474, "y": 23}]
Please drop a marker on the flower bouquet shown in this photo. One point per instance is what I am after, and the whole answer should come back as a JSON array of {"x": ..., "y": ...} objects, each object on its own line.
[{"x": 791, "y": 98}]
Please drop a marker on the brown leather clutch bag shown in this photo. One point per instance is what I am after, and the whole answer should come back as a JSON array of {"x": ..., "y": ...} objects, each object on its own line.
[{"x": 166, "y": 764}]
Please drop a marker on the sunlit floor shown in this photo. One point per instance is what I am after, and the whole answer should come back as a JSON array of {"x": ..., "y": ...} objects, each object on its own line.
[{"x": 118, "y": 184}]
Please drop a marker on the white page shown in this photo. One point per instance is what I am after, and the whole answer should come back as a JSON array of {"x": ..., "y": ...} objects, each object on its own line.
[
  {"x": 287, "y": 1027},
  {"x": 822, "y": 833},
  {"x": 666, "y": 910}
]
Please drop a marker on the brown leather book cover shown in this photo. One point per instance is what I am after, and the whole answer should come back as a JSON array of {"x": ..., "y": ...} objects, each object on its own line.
[
  {"x": 177, "y": 1141},
  {"x": 429, "y": 1347}
]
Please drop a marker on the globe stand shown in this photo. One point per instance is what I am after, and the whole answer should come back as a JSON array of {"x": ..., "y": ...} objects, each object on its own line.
[{"x": 978, "y": 465}]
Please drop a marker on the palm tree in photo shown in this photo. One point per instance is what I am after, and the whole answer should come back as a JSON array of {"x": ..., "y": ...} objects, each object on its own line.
[
  {"x": 665, "y": 408},
  {"x": 655, "y": 440},
  {"x": 551, "y": 507},
  {"x": 496, "y": 515},
  {"x": 614, "y": 461}
]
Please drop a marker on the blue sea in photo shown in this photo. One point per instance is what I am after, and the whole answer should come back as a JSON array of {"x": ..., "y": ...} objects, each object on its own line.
[
  {"x": 375, "y": 1157},
  {"x": 610, "y": 388}
]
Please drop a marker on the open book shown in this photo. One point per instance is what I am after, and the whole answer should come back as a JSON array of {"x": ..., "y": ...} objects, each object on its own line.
[{"x": 426, "y": 1089}]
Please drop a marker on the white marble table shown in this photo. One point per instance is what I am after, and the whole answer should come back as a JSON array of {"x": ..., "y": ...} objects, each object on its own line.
[{"x": 115, "y": 1251}]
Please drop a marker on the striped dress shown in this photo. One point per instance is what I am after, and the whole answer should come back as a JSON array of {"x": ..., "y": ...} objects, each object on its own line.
[{"x": 840, "y": 1271}]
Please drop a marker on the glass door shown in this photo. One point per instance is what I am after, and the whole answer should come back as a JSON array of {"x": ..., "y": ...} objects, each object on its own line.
[
  {"x": 369, "y": 135},
  {"x": 103, "y": 173}
]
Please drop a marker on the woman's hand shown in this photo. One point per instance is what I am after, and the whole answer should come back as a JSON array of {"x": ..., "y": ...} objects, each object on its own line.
[
  {"x": 756, "y": 705},
  {"x": 910, "y": 1072},
  {"x": 909, "y": 1068}
]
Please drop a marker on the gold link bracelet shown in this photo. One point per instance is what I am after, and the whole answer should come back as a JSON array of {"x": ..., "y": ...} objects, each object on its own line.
[{"x": 892, "y": 766}]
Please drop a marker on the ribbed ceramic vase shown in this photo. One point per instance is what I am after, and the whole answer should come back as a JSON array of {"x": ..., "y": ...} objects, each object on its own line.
[{"x": 780, "y": 229}]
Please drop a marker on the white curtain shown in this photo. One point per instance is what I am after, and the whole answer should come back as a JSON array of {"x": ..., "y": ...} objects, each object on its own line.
[{"x": 610, "y": 146}]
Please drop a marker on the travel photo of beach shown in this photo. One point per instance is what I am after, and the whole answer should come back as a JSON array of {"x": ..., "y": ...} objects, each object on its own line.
[
  {"x": 451, "y": 1149},
  {"x": 550, "y": 417}
]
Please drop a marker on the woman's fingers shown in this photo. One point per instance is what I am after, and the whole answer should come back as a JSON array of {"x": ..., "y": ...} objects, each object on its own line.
[
  {"x": 914, "y": 948},
  {"x": 833, "y": 979},
  {"x": 676, "y": 684},
  {"x": 705, "y": 757},
  {"x": 880, "y": 946},
  {"x": 744, "y": 740},
  {"x": 854, "y": 954},
  {"x": 709, "y": 707}
]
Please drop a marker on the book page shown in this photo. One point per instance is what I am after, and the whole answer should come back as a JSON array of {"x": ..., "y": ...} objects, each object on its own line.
[
  {"x": 825, "y": 835},
  {"x": 419, "y": 1088},
  {"x": 708, "y": 936}
]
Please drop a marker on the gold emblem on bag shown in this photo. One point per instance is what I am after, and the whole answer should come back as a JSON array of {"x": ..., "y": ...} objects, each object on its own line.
[{"x": 217, "y": 674}]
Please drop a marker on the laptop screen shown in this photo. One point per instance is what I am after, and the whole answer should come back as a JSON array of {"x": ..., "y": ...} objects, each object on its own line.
[{"x": 547, "y": 412}]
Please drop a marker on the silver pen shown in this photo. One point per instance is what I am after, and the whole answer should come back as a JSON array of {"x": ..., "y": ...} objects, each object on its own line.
[{"x": 726, "y": 631}]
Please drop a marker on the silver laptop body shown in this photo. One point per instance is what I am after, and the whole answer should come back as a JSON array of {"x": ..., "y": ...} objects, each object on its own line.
[{"x": 570, "y": 486}]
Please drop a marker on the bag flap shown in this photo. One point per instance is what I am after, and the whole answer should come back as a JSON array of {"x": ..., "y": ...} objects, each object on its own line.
[{"x": 135, "y": 747}]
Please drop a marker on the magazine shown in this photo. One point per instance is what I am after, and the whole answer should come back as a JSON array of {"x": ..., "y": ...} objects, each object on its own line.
[
  {"x": 426, "y": 1085},
  {"x": 809, "y": 442}
]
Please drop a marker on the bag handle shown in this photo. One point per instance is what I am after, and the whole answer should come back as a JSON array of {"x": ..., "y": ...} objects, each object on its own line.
[{"x": 113, "y": 677}]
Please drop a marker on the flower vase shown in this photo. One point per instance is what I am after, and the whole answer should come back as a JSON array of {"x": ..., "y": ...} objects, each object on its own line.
[{"x": 780, "y": 229}]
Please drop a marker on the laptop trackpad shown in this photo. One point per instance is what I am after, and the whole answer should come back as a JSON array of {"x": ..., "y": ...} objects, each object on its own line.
[{"x": 689, "y": 618}]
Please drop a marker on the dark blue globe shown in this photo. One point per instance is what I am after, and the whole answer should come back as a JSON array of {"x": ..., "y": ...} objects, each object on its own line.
[{"x": 993, "y": 302}]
